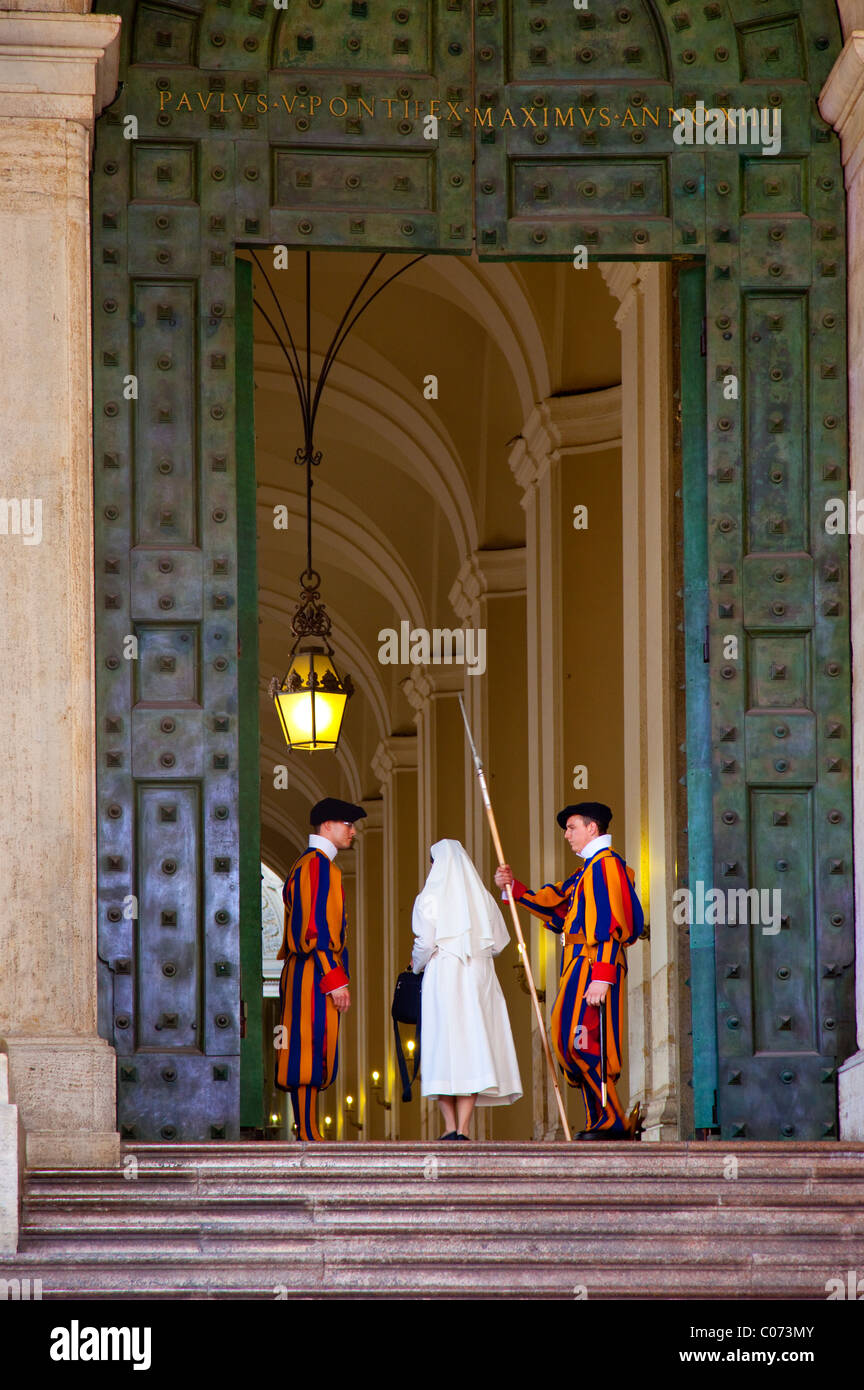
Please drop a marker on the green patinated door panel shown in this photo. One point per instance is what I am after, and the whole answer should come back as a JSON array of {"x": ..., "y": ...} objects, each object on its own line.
[
  {"x": 304, "y": 125},
  {"x": 779, "y": 589},
  {"x": 576, "y": 149},
  {"x": 167, "y": 644},
  {"x": 249, "y": 772},
  {"x": 247, "y": 124}
]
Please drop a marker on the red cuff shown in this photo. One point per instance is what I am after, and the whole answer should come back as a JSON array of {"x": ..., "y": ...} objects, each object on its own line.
[
  {"x": 518, "y": 889},
  {"x": 602, "y": 972},
  {"x": 334, "y": 979}
]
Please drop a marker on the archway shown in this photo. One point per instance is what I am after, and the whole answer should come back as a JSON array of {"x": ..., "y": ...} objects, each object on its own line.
[{"x": 249, "y": 158}]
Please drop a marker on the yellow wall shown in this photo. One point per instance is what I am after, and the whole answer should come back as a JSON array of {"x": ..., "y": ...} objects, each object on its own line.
[
  {"x": 408, "y": 490},
  {"x": 593, "y": 674}
]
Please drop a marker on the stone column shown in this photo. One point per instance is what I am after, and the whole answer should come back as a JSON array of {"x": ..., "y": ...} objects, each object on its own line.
[
  {"x": 395, "y": 765},
  {"x": 489, "y": 596},
  {"x": 351, "y": 1027},
  {"x": 433, "y": 692},
  {"x": 569, "y": 453},
  {"x": 842, "y": 103},
  {"x": 369, "y": 987},
  {"x": 57, "y": 72},
  {"x": 644, "y": 320},
  {"x": 11, "y": 1163}
]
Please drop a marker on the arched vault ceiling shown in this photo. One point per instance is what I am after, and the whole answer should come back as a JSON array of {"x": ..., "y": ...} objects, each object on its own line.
[
  {"x": 359, "y": 549},
  {"x": 275, "y": 818},
  {"x": 278, "y": 857},
  {"x": 487, "y": 292},
  {"x": 493, "y": 296},
  {"x": 313, "y": 785},
  {"x": 414, "y": 442}
]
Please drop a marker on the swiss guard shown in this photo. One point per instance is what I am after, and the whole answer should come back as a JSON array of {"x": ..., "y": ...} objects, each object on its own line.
[
  {"x": 313, "y": 988},
  {"x": 599, "y": 914}
]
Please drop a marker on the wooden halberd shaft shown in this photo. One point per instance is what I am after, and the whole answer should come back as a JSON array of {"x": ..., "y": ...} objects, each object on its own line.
[{"x": 496, "y": 840}]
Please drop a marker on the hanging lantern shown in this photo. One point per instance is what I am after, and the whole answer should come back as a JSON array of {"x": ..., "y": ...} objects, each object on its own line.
[{"x": 311, "y": 699}]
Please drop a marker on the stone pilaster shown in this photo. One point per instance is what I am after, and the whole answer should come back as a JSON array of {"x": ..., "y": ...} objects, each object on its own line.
[
  {"x": 842, "y": 103},
  {"x": 644, "y": 320},
  {"x": 11, "y": 1163},
  {"x": 433, "y": 693},
  {"x": 488, "y": 595},
  {"x": 351, "y": 1028},
  {"x": 369, "y": 988},
  {"x": 851, "y": 17},
  {"x": 566, "y": 443},
  {"x": 57, "y": 72},
  {"x": 395, "y": 765}
]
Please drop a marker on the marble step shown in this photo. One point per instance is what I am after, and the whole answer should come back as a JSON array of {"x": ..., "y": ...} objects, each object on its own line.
[
  {"x": 789, "y": 1165},
  {"x": 318, "y": 1273},
  {"x": 507, "y": 1157},
  {"x": 488, "y": 1221},
  {"x": 65, "y": 1217},
  {"x": 443, "y": 1186},
  {"x": 422, "y": 1249}
]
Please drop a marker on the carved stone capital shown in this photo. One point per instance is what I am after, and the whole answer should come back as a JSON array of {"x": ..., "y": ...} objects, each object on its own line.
[
  {"x": 487, "y": 574},
  {"x": 394, "y": 754},
  {"x": 58, "y": 66},
  {"x": 851, "y": 15},
  {"x": 620, "y": 277},
  {"x": 584, "y": 420},
  {"x": 842, "y": 102},
  {"x": 427, "y": 682},
  {"x": 623, "y": 278}
]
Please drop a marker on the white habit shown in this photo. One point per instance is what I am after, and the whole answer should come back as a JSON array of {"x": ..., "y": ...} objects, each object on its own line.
[{"x": 466, "y": 1045}]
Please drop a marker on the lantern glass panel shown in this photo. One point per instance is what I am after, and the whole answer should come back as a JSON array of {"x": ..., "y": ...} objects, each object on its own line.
[{"x": 311, "y": 718}]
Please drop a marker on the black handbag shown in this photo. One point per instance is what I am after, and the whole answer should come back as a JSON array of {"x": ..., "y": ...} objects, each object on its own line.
[{"x": 406, "y": 1009}]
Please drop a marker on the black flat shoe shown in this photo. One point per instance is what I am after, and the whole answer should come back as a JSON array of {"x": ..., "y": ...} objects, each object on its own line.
[
  {"x": 457, "y": 1135},
  {"x": 451, "y": 1135},
  {"x": 608, "y": 1134}
]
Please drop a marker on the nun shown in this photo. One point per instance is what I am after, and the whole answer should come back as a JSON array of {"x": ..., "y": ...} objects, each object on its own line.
[{"x": 467, "y": 1054}]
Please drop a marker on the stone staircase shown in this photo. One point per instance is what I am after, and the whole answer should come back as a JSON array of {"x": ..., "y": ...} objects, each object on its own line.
[{"x": 468, "y": 1221}]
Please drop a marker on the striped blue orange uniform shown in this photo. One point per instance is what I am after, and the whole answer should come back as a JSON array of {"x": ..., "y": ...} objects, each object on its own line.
[
  {"x": 599, "y": 914},
  {"x": 316, "y": 962}
]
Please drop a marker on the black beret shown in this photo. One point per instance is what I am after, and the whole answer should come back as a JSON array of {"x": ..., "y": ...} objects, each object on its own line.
[
  {"x": 589, "y": 810},
  {"x": 331, "y": 808}
]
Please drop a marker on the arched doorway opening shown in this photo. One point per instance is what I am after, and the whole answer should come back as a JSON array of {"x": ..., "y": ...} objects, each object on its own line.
[{"x": 221, "y": 169}]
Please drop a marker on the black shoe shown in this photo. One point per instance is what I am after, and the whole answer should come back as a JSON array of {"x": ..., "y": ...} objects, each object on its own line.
[
  {"x": 451, "y": 1135},
  {"x": 615, "y": 1134},
  {"x": 457, "y": 1135}
]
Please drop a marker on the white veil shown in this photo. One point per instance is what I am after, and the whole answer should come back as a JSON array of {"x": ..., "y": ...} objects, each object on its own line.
[{"x": 456, "y": 904}]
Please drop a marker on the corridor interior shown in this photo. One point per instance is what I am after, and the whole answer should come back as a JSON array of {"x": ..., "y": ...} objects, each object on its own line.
[{"x": 468, "y": 399}]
